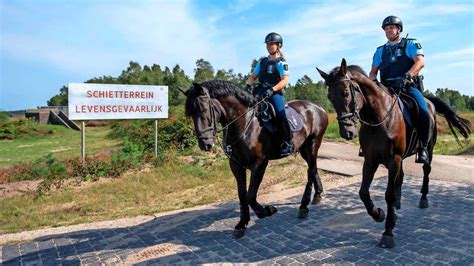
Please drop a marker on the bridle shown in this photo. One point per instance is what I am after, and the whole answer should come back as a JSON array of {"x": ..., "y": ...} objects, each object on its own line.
[
  {"x": 354, "y": 114},
  {"x": 227, "y": 148},
  {"x": 213, "y": 127}
]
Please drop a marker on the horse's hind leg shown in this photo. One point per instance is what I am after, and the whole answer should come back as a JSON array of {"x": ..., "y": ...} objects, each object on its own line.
[
  {"x": 427, "y": 167},
  {"x": 318, "y": 185},
  {"x": 303, "y": 210},
  {"x": 310, "y": 154},
  {"x": 426, "y": 180}
]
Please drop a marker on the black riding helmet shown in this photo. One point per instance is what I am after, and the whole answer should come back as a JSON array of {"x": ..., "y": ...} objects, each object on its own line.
[
  {"x": 274, "y": 37},
  {"x": 393, "y": 20}
]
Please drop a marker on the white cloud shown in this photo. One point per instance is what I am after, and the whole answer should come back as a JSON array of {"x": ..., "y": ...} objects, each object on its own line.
[{"x": 455, "y": 55}]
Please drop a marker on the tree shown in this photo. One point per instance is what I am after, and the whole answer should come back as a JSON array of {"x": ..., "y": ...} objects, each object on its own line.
[
  {"x": 61, "y": 99},
  {"x": 131, "y": 74},
  {"x": 306, "y": 89},
  {"x": 203, "y": 71},
  {"x": 453, "y": 98},
  {"x": 177, "y": 79}
]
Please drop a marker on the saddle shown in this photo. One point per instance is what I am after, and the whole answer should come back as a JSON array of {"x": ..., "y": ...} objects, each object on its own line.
[{"x": 267, "y": 117}]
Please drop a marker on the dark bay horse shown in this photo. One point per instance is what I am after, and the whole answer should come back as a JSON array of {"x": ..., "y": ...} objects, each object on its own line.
[
  {"x": 383, "y": 135},
  {"x": 248, "y": 145}
]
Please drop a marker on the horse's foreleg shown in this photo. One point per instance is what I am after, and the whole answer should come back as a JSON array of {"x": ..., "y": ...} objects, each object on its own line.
[
  {"x": 387, "y": 240},
  {"x": 256, "y": 177},
  {"x": 240, "y": 177},
  {"x": 368, "y": 172}
]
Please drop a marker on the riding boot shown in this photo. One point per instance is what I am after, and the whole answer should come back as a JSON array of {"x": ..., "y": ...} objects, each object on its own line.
[
  {"x": 422, "y": 155},
  {"x": 286, "y": 146}
]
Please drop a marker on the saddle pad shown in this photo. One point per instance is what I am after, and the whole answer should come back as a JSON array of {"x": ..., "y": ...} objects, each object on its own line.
[
  {"x": 405, "y": 112},
  {"x": 294, "y": 118}
]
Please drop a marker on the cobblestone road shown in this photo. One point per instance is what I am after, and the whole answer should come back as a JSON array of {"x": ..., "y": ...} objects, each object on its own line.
[{"x": 336, "y": 231}]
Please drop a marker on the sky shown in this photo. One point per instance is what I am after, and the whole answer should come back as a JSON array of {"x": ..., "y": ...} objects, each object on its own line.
[{"x": 45, "y": 44}]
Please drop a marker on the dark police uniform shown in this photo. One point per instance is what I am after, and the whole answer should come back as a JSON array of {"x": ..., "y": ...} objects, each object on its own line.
[
  {"x": 270, "y": 73},
  {"x": 394, "y": 60}
]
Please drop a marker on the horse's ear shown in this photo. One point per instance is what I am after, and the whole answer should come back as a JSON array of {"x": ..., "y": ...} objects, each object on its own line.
[
  {"x": 198, "y": 87},
  {"x": 323, "y": 74},
  {"x": 343, "y": 69},
  {"x": 182, "y": 90}
]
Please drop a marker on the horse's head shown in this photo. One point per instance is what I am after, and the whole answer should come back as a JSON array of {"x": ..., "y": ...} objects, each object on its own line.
[
  {"x": 341, "y": 93},
  {"x": 205, "y": 112}
]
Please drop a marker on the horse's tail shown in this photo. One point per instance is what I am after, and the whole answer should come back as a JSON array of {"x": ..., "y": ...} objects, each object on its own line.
[{"x": 442, "y": 108}]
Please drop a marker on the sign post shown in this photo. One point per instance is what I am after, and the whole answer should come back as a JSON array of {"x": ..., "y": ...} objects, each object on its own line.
[
  {"x": 156, "y": 138},
  {"x": 83, "y": 143},
  {"x": 91, "y": 101}
]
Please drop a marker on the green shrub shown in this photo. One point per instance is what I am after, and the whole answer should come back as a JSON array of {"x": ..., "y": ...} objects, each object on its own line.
[
  {"x": 50, "y": 170},
  {"x": 12, "y": 129},
  {"x": 176, "y": 131}
]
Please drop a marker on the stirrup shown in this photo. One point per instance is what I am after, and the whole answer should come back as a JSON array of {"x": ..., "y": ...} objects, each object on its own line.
[
  {"x": 424, "y": 158},
  {"x": 286, "y": 149}
]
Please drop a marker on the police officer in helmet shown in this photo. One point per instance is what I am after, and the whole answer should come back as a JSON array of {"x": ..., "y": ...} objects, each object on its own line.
[
  {"x": 272, "y": 73},
  {"x": 400, "y": 61}
]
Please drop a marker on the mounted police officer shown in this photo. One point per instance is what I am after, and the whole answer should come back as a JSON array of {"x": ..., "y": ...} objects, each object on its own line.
[
  {"x": 400, "y": 61},
  {"x": 272, "y": 73}
]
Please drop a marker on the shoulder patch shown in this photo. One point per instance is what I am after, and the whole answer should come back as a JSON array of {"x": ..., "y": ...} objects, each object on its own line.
[{"x": 418, "y": 45}]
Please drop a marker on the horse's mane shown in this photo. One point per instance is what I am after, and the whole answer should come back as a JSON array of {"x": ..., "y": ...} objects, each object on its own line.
[
  {"x": 357, "y": 69},
  {"x": 353, "y": 68},
  {"x": 218, "y": 88}
]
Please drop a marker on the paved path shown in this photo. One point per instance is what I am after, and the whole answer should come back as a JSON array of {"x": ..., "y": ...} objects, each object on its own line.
[{"x": 338, "y": 230}]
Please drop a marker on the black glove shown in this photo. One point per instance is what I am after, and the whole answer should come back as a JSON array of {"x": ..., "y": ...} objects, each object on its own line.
[
  {"x": 409, "y": 80},
  {"x": 248, "y": 88},
  {"x": 405, "y": 82},
  {"x": 268, "y": 93}
]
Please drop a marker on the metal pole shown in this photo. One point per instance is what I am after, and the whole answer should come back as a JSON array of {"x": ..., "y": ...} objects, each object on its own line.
[
  {"x": 83, "y": 142},
  {"x": 156, "y": 138}
]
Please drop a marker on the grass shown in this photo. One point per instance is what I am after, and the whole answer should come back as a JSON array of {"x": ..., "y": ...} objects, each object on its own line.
[
  {"x": 176, "y": 185},
  {"x": 62, "y": 143}
]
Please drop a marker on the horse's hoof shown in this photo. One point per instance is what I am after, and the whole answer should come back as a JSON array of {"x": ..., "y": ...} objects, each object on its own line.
[
  {"x": 316, "y": 199},
  {"x": 381, "y": 216},
  {"x": 303, "y": 213},
  {"x": 261, "y": 215},
  {"x": 398, "y": 205},
  {"x": 387, "y": 241},
  {"x": 238, "y": 233},
  {"x": 423, "y": 204},
  {"x": 270, "y": 210}
]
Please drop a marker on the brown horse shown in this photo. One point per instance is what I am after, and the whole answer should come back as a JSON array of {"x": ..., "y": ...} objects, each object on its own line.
[
  {"x": 248, "y": 145},
  {"x": 383, "y": 135}
]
